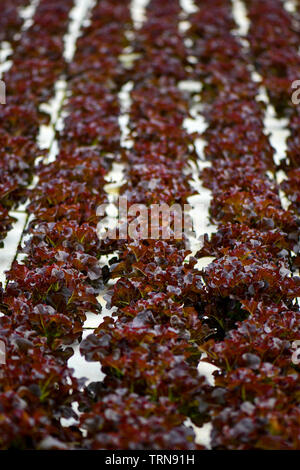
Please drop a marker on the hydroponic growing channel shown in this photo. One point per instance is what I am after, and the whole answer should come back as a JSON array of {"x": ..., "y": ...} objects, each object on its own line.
[{"x": 150, "y": 225}]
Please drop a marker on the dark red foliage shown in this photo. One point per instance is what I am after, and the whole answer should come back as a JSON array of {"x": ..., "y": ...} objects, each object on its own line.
[
  {"x": 251, "y": 286},
  {"x": 37, "y": 62},
  {"x": 133, "y": 422},
  {"x": 11, "y": 22},
  {"x": 60, "y": 286},
  {"x": 241, "y": 310}
]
